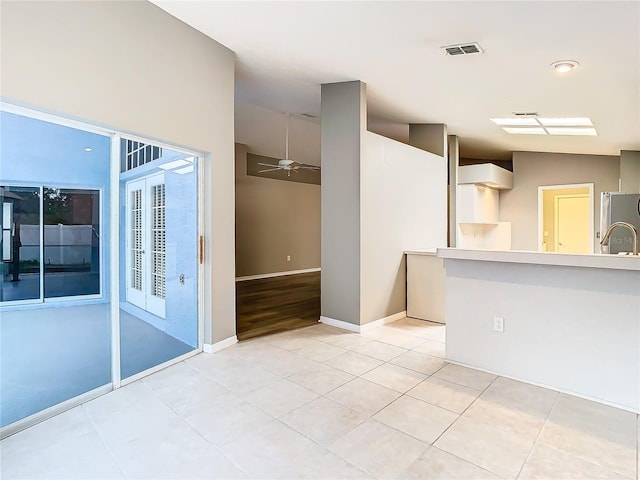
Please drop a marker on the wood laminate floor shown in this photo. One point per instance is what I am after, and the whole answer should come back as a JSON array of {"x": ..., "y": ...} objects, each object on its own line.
[{"x": 277, "y": 304}]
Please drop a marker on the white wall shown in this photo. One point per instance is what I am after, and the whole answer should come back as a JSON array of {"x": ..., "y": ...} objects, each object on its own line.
[
  {"x": 532, "y": 169},
  {"x": 571, "y": 328},
  {"x": 403, "y": 204},
  {"x": 134, "y": 67}
]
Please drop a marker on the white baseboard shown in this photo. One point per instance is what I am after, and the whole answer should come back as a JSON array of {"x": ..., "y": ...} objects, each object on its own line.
[
  {"x": 352, "y": 327},
  {"x": 628, "y": 408},
  {"x": 362, "y": 328},
  {"x": 221, "y": 345},
  {"x": 276, "y": 274},
  {"x": 382, "y": 321}
]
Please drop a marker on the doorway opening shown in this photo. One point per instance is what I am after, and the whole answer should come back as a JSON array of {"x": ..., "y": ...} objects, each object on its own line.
[
  {"x": 566, "y": 218},
  {"x": 277, "y": 247}
]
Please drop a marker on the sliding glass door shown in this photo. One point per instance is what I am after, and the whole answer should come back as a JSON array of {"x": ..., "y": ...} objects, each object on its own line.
[
  {"x": 99, "y": 263},
  {"x": 159, "y": 241},
  {"x": 55, "y": 325}
]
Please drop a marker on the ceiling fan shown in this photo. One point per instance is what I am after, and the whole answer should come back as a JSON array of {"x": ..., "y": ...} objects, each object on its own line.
[{"x": 286, "y": 164}]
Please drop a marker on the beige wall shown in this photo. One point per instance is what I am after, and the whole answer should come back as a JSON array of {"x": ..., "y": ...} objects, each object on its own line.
[
  {"x": 274, "y": 218},
  {"x": 549, "y": 216},
  {"x": 134, "y": 67},
  {"x": 532, "y": 169},
  {"x": 630, "y": 171}
]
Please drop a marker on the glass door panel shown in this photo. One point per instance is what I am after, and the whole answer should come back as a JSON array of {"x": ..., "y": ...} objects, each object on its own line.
[
  {"x": 20, "y": 243},
  {"x": 71, "y": 242},
  {"x": 53, "y": 352},
  {"x": 159, "y": 245}
]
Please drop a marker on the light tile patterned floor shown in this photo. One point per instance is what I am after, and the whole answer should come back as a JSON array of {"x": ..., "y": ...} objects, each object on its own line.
[{"x": 323, "y": 403}]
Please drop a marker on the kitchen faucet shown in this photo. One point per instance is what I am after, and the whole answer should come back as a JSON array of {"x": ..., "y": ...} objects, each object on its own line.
[{"x": 604, "y": 243}]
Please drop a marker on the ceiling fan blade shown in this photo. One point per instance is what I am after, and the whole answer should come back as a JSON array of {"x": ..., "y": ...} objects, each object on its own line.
[
  {"x": 309, "y": 167},
  {"x": 267, "y": 165},
  {"x": 269, "y": 170}
]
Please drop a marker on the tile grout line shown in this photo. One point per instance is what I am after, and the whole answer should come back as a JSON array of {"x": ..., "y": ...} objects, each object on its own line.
[
  {"x": 104, "y": 444},
  {"x": 456, "y": 420},
  {"x": 402, "y": 394},
  {"x": 535, "y": 441},
  {"x": 370, "y": 416},
  {"x": 192, "y": 428},
  {"x": 278, "y": 419},
  {"x": 326, "y": 448},
  {"x": 579, "y": 456},
  {"x": 464, "y": 411}
]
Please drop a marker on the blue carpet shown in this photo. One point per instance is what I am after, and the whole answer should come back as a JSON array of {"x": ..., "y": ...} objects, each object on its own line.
[{"x": 48, "y": 355}]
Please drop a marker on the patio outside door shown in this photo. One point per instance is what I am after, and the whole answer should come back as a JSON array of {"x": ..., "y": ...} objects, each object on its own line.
[{"x": 146, "y": 244}]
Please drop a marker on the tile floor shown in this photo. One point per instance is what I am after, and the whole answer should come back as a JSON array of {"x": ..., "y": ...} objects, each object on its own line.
[{"x": 322, "y": 403}]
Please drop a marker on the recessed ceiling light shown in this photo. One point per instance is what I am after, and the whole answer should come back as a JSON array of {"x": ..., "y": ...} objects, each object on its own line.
[
  {"x": 88, "y": 149},
  {"x": 531, "y": 121},
  {"x": 525, "y": 130},
  {"x": 564, "y": 66},
  {"x": 566, "y": 122},
  {"x": 571, "y": 131}
]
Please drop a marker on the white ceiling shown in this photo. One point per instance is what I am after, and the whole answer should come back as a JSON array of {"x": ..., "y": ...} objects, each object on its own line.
[{"x": 286, "y": 50}]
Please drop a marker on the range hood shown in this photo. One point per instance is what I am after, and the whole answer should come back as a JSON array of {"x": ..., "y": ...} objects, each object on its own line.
[{"x": 486, "y": 174}]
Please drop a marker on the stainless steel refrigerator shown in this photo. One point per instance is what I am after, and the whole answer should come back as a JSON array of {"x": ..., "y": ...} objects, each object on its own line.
[{"x": 619, "y": 207}]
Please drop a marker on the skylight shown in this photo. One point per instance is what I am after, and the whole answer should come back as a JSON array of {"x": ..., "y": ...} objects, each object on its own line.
[
  {"x": 565, "y": 122},
  {"x": 531, "y": 125},
  {"x": 571, "y": 131},
  {"x": 175, "y": 164},
  {"x": 525, "y": 130},
  {"x": 530, "y": 121}
]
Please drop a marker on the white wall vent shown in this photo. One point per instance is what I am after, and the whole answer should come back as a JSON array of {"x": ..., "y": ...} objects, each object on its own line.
[{"x": 463, "y": 49}]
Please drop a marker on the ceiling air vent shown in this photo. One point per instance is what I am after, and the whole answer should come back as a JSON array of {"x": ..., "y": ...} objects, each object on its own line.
[{"x": 463, "y": 49}]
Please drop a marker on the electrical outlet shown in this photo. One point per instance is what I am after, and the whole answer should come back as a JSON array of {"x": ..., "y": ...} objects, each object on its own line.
[
  {"x": 498, "y": 324},
  {"x": 288, "y": 258}
]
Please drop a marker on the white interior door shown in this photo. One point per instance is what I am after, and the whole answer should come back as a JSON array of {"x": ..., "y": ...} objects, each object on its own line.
[
  {"x": 146, "y": 244},
  {"x": 572, "y": 224}
]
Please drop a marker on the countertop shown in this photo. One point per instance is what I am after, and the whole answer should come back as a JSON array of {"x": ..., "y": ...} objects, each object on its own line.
[
  {"x": 424, "y": 251},
  {"x": 616, "y": 262}
]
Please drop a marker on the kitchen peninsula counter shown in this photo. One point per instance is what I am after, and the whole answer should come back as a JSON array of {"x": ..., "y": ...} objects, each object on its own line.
[
  {"x": 616, "y": 262},
  {"x": 571, "y": 322}
]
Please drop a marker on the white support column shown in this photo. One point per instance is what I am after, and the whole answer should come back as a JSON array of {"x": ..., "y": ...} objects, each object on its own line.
[{"x": 454, "y": 161}]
